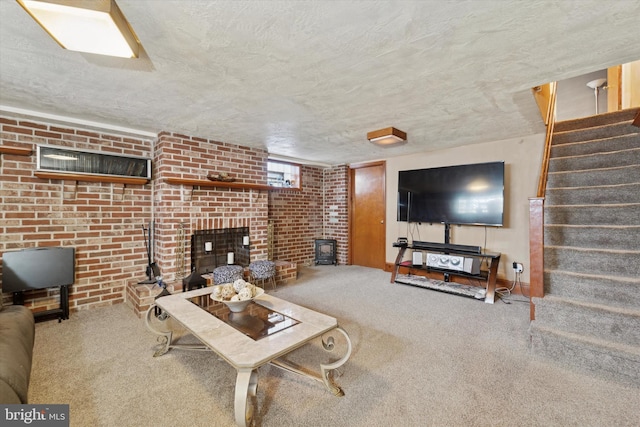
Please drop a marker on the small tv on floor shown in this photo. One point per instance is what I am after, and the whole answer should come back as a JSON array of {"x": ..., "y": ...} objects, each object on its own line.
[{"x": 37, "y": 268}]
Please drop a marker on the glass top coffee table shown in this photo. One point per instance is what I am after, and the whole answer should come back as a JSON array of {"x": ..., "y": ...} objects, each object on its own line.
[{"x": 267, "y": 330}]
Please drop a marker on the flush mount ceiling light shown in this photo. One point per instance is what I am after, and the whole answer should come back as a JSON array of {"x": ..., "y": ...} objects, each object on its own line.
[
  {"x": 93, "y": 26},
  {"x": 387, "y": 136}
]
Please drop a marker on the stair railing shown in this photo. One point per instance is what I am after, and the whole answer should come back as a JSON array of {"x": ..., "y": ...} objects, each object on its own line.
[
  {"x": 536, "y": 204},
  {"x": 550, "y": 121}
]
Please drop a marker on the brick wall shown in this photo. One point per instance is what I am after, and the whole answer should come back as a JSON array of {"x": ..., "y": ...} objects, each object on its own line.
[
  {"x": 101, "y": 220},
  {"x": 181, "y": 156},
  {"x": 297, "y": 217},
  {"x": 336, "y": 209}
]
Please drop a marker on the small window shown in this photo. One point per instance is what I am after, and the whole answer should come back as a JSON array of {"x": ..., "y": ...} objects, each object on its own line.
[{"x": 283, "y": 174}]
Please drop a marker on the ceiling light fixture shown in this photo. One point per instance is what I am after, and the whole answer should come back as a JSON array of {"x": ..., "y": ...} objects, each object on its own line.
[
  {"x": 387, "y": 136},
  {"x": 93, "y": 26}
]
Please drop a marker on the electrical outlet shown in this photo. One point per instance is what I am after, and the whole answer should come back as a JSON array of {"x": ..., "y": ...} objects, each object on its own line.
[{"x": 519, "y": 268}]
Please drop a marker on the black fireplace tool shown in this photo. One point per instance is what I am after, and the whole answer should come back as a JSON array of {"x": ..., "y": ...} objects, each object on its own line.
[{"x": 152, "y": 270}]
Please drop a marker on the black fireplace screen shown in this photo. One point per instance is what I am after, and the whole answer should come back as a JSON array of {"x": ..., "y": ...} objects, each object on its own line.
[{"x": 213, "y": 248}]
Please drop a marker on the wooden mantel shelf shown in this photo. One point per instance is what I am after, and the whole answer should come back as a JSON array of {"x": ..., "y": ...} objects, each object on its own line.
[
  {"x": 222, "y": 184},
  {"x": 91, "y": 178},
  {"x": 18, "y": 151}
]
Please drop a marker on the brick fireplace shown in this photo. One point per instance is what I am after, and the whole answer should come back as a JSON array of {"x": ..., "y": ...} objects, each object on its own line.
[
  {"x": 102, "y": 220},
  {"x": 207, "y": 208}
]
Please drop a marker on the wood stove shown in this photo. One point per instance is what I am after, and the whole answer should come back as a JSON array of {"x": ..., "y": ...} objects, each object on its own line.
[{"x": 326, "y": 251}]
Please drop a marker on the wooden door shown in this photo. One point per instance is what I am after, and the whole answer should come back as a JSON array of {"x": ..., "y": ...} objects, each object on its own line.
[{"x": 367, "y": 212}]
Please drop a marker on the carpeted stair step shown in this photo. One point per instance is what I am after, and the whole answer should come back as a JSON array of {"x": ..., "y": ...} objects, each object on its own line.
[
  {"x": 590, "y": 315},
  {"x": 601, "y": 288},
  {"x": 593, "y": 133},
  {"x": 608, "y": 323},
  {"x": 626, "y": 214},
  {"x": 618, "y": 362},
  {"x": 593, "y": 261},
  {"x": 595, "y": 237},
  {"x": 594, "y": 177},
  {"x": 610, "y": 194},
  {"x": 581, "y": 148},
  {"x": 597, "y": 120},
  {"x": 628, "y": 157}
]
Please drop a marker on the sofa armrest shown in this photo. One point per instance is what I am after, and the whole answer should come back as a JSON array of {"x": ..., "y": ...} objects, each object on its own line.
[{"x": 17, "y": 332}]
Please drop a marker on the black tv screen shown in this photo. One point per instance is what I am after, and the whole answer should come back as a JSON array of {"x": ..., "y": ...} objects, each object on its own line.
[
  {"x": 37, "y": 268},
  {"x": 464, "y": 194}
]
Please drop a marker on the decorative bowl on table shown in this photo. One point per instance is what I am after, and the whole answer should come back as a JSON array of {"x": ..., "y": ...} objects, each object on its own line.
[{"x": 236, "y": 295}]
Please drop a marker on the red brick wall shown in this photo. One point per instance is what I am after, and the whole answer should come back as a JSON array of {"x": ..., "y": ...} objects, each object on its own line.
[
  {"x": 336, "y": 209},
  {"x": 297, "y": 218},
  {"x": 103, "y": 221},
  {"x": 180, "y": 156},
  {"x": 319, "y": 211},
  {"x": 100, "y": 220}
]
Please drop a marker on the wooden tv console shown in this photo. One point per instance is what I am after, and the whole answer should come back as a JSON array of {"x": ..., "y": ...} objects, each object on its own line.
[{"x": 489, "y": 276}]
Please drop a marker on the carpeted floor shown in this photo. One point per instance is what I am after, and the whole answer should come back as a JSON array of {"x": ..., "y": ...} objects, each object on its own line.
[{"x": 420, "y": 357}]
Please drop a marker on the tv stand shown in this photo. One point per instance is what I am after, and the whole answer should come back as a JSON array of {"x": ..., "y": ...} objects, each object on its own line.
[
  {"x": 489, "y": 276},
  {"x": 61, "y": 313}
]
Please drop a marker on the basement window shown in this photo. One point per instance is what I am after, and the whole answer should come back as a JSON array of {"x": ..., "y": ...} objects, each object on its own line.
[
  {"x": 283, "y": 174},
  {"x": 89, "y": 162}
]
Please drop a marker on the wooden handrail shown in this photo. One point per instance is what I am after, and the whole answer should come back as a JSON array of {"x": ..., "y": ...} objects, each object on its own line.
[
  {"x": 536, "y": 210},
  {"x": 550, "y": 121}
]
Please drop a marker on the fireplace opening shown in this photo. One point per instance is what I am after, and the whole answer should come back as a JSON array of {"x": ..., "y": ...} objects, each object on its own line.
[{"x": 217, "y": 247}]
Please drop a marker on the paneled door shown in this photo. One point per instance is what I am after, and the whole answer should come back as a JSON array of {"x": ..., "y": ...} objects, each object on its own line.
[{"x": 367, "y": 213}]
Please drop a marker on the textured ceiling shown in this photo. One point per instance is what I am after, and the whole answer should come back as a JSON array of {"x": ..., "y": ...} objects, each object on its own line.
[{"x": 309, "y": 79}]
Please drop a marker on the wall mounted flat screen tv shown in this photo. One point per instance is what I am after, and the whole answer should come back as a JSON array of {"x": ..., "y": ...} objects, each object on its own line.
[
  {"x": 37, "y": 268},
  {"x": 464, "y": 194}
]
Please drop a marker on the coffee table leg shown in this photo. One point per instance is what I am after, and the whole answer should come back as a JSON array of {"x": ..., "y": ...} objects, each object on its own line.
[
  {"x": 327, "y": 370},
  {"x": 165, "y": 336},
  {"x": 326, "y": 375},
  {"x": 246, "y": 388}
]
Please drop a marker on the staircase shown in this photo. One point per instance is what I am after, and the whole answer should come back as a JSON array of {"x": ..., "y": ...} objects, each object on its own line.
[{"x": 589, "y": 317}]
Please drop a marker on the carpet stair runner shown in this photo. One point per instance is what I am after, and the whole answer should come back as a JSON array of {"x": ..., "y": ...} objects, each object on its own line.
[{"x": 590, "y": 314}]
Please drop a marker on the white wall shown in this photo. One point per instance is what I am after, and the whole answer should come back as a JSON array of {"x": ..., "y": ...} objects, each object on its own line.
[
  {"x": 575, "y": 99},
  {"x": 522, "y": 157}
]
